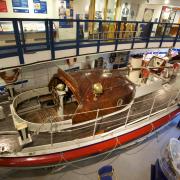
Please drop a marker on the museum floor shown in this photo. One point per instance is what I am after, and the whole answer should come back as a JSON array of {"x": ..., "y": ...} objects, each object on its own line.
[{"x": 130, "y": 164}]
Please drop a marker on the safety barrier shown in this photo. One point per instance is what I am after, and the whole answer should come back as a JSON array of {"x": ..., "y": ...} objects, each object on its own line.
[{"x": 52, "y": 41}]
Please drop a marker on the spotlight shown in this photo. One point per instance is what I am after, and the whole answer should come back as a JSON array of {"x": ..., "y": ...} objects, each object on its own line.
[{"x": 166, "y": 1}]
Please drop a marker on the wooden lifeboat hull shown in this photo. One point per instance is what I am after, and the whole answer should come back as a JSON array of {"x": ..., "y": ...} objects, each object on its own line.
[{"x": 74, "y": 154}]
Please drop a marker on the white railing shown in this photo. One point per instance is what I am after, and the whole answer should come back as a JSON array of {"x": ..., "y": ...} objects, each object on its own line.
[
  {"x": 92, "y": 127},
  {"x": 51, "y": 125}
]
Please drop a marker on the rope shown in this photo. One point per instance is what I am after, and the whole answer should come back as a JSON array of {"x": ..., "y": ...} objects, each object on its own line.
[
  {"x": 77, "y": 167},
  {"x": 111, "y": 161}
]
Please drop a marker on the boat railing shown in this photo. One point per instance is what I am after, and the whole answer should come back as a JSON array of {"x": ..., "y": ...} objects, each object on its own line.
[
  {"x": 97, "y": 120},
  {"x": 61, "y": 126},
  {"x": 103, "y": 125}
]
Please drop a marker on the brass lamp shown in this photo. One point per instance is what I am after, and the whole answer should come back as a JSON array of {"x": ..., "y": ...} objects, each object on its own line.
[
  {"x": 60, "y": 87},
  {"x": 97, "y": 90}
]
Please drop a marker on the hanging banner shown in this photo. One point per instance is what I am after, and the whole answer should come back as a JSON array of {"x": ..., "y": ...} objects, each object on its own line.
[
  {"x": 20, "y": 6},
  {"x": 3, "y": 6},
  {"x": 66, "y": 12},
  {"x": 40, "y": 7}
]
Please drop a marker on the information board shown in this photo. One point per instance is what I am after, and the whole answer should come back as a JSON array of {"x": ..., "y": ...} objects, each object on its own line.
[
  {"x": 66, "y": 12},
  {"x": 20, "y": 6},
  {"x": 40, "y": 7},
  {"x": 3, "y": 6}
]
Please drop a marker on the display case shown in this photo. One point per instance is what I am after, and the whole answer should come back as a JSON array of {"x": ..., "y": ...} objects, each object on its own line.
[
  {"x": 6, "y": 34},
  {"x": 33, "y": 32}
]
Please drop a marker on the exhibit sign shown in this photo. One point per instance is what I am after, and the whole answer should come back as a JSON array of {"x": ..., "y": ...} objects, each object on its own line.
[
  {"x": 3, "y": 6},
  {"x": 6, "y": 26},
  {"x": 40, "y": 6},
  {"x": 168, "y": 14},
  {"x": 20, "y": 6},
  {"x": 65, "y": 12},
  {"x": 148, "y": 15},
  {"x": 125, "y": 11}
]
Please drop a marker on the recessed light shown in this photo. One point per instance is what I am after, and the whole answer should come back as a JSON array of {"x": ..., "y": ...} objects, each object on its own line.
[{"x": 166, "y": 1}]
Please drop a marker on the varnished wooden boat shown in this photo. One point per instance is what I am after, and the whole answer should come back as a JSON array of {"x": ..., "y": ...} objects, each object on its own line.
[{"x": 80, "y": 85}]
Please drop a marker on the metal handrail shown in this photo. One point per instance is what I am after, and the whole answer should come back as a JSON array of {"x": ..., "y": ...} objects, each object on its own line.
[
  {"x": 126, "y": 123},
  {"x": 49, "y": 44},
  {"x": 127, "y": 116}
]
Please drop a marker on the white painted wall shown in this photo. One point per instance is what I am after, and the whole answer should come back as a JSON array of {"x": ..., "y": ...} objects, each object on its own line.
[
  {"x": 176, "y": 19},
  {"x": 171, "y": 2},
  {"x": 40, "y": 74},
  {"x": 80, "y": 7},
  {"x": 157, "y": 6}
]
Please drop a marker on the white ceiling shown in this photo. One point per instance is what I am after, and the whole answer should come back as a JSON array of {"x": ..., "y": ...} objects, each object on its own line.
[{"x": 162, "y": 2}]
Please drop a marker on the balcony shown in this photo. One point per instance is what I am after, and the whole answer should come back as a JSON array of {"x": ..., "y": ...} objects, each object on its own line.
[{"x": 27, "y": 41}]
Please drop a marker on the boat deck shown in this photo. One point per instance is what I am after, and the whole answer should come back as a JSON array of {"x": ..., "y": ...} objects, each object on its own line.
[{"x": 7, "y": 123}]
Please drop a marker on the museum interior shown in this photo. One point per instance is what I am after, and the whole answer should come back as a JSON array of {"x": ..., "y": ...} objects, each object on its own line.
[{"x": 90, "y": 89}]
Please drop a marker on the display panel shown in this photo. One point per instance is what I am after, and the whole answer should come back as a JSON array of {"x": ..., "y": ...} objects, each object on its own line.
[
  {"x": 148, "y": 15},
  {"x": 40, "y": 7},
  {"x": 66, "y": 12},
  {"x": 3, "y": 6},
  {"x": 20, "y": 6},
  {"x": 168, "y": 14}
]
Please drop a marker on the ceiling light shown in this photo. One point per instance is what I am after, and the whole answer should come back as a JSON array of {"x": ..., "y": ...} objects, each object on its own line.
[{"x": 166, "y": 1}]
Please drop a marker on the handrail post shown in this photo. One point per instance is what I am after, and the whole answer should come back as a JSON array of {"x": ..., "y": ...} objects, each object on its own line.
[
  {"x": 77, "y": 36},
  {"x": 177, "y": 35},
  {"x": 164, "y": 33},
  {"x": 178, "y": 95},
  {"x": 134, "y": 35},
  {"x": 99, "y": 36},
  {"x": 18, "y": 41},
  {"x": 51, "y": 39},
  {"x": 170, "y": 99},
  {"x": 47, "y": 33},
  {"x": 148, "y": 38},
  {"x": 169, "y": 102},
  {"x": 95, "y": 125},
  {"x": 127, "y": 117},
  {"x": 22, "y": 35},
  {"x": 117, "y": 35},
  {"x": 51, "y": 132},
  {"x": 152, "y": 107}
]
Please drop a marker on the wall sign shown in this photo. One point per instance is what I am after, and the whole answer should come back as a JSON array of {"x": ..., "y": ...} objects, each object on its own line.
[
  {"x": 20, "y": 6},
  {"x": 125, "y": 11},
  {"x": 3, "y": 6},
  {"x": 66, "y": 12},
  {"x": 40, "y": 6},
  {"x": 168, "y": 14},
  {"x": 148, "y": 15}
]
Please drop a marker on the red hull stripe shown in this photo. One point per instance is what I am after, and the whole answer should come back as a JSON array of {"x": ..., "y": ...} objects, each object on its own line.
[{"x": 44, "y": 160}]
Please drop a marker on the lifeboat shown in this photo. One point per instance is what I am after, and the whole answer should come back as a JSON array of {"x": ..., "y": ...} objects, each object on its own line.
[{"x": 79, "y": 114}]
